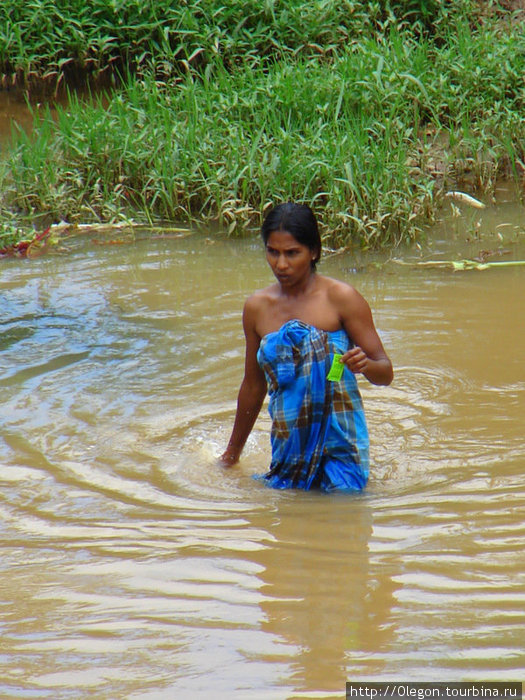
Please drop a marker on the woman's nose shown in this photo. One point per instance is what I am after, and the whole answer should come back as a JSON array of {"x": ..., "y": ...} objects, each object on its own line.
[{"x": 281, "y": 262}]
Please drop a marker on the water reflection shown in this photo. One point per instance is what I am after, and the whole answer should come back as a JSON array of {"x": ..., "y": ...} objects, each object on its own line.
[{"x": 320, "y": 598}]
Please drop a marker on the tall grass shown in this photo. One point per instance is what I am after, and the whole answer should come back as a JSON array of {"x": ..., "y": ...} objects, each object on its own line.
[
  {"x": 74, "y": 39},
  {"x": 347, "y": 126},
  {"x": 224, "y": 148}
]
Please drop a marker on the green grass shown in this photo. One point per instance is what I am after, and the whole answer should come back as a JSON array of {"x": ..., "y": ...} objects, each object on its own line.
[
  {"x": 55, "y": 39},
  {"x": 344, "y": 114}
]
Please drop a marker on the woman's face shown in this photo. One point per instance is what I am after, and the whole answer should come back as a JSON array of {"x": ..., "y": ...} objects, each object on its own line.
[{"x": 291, "y": 262}]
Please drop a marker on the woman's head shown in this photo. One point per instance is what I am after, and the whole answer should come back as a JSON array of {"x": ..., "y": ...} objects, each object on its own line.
[{"x": 299, "y": 221}]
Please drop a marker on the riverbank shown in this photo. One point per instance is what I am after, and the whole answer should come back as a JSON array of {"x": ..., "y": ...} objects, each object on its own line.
[{"x": 368, "y": 118}]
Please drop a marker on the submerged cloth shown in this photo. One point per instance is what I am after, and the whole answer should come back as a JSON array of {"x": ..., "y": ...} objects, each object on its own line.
[{"x": 319, "y": 434}]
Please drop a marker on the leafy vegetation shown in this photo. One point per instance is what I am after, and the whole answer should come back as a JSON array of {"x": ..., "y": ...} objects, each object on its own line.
[
  {"x": 54, "y": 39},
  {"x": 365, "y": 110}
]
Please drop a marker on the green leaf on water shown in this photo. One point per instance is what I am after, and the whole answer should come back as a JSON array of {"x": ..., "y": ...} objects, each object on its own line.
[{"x": 460, "y": 265}]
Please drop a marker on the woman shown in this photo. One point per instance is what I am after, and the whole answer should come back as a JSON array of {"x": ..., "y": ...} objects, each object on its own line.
[{"x": 293, "y": 330}]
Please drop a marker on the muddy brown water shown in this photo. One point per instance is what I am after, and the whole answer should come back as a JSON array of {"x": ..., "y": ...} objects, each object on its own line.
[
  {"x": 132, "y": 567},
  {"x": 17, "y": 109}
]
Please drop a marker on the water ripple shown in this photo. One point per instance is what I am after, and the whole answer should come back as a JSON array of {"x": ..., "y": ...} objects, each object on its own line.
[{"x": 133, "y": 566}]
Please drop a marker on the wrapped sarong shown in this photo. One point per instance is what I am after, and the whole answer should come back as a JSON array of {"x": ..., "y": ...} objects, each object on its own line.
[{"x": 319, "y": 434}]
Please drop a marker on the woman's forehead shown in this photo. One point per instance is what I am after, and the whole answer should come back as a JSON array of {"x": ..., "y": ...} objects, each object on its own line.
[{"x": 283, "y": 239}]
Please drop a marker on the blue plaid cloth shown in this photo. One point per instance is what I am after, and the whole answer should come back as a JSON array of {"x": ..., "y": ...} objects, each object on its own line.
[{"x": 319, "y": 434}]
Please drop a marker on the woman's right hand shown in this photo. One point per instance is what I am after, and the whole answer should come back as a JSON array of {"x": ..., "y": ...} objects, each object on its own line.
[
  {"x": 251, "y": 393},
  {"x": 227, "y": 459}
]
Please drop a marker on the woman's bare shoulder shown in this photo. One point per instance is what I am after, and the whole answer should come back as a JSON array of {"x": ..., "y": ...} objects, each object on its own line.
[
  {"x": 261, "y": 297},
  {"x": 257, "y": 305},
  {"x": 338, "y": 290}
]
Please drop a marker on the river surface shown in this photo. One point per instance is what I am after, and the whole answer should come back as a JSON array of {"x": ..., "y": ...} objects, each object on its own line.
[{"x": 133, "y": 567}]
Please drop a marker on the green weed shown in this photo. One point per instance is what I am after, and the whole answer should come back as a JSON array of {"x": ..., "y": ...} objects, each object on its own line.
[{"x": 227, "y": 109}]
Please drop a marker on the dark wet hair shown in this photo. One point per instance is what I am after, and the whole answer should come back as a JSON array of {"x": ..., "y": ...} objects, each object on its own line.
[{"x": 299, "y": 221}]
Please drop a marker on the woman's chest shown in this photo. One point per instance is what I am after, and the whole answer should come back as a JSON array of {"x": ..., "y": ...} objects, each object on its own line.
[{"x": 315, "y": 312}]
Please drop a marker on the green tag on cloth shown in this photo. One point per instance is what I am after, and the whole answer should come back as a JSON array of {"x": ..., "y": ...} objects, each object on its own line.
[{"x": 337, "y": 368}]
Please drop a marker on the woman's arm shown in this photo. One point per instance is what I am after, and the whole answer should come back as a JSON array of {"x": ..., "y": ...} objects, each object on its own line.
[
  {"x": 251, "y": 393},
  {"x": 368, "y": 355}
]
